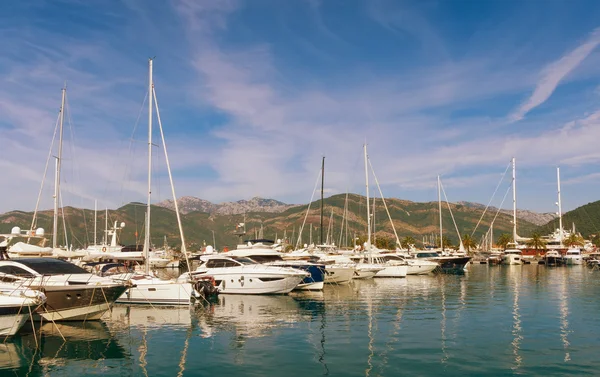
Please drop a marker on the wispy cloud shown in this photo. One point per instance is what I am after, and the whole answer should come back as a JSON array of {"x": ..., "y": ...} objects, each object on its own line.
[{"x": 554, "y": 73}]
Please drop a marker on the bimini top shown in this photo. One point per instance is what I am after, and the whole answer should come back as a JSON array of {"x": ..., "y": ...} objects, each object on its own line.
[{"x": 45, "y": 266}]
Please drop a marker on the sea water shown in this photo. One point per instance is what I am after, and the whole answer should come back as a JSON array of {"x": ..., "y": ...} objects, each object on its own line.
[{"x": 491, "y": 321}]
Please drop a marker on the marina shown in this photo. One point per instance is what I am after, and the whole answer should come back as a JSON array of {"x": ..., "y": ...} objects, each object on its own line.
[{"x": 533, "y": 320}]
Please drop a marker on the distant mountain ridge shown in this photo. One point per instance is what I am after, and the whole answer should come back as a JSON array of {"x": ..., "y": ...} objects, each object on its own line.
[
  {"x": 189, "y": 204},
  {"x": 536, "y": 218}
]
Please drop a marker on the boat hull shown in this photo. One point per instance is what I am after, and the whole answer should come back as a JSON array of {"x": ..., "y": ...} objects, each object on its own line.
[
  {"x": 512, "y": 259},
  {"x": 338, "y": 274},
  {"x": 573, "y": 261},
  {"x": 154, "y": 291},
  {"x": 393, "y": 272},
  {"x": 416, "y": 267},
  {"x": 77, "y": 302},
  {"x": 452, "y": 265},
  {"x": 12, "y": 318}
]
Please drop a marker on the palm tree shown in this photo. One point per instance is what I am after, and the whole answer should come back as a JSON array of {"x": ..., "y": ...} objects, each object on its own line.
[
  {"x": 408, "y": 241},
  {"x": 446, "y": 242},
  {"x": 573, "y": 240},
  {"x": 468, "y": 242},
  {"x": 537, "y": 242},
  {"x": 504, "y": 240}
]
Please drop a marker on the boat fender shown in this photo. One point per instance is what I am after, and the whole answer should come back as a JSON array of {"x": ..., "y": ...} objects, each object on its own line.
[{"x": 104, "y": 249}]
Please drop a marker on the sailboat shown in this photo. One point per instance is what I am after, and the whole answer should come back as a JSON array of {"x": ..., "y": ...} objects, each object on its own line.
[
  {"x": 448, "y": 263},
  {"x": 148, "y": 288},
  {"x": 512, "y": 255}
]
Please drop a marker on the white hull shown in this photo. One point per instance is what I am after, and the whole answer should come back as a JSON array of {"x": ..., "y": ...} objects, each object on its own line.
[
  {"x": 156, "y": 291},
  {"x": 573, "y": 260},
  {"x": 310, "y": 286},
  {"x": 366, "y": 271},
  {"x": 512, "y": 259},
  {"x": 338, "y": 274},
  {"x": 11, "y": 323},
  {"x": 85, "y": 313},
  {"x": 393, "y": 272},
  {"x": 417, "y": 267},
  {"x": 251, "y": 284}
]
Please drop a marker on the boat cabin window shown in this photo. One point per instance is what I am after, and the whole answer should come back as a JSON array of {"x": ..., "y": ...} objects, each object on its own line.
[
  {"x": 265, "y": 258},
  {"x": 427, "y": 255},
  {"x": 220, "y": 263},
  {"x": 50, "y": 266},
  {"x": 393, "y": 258},
  {"x": 245, "y": 260},
  {"x": 14, "y": 270}
]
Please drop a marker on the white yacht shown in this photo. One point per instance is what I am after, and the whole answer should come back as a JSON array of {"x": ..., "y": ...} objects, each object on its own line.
[
  {"x": 573, "y": 256},
  {"x": 72, "y": 293},
  {"x": 553, "y": 258},
  {"x": 266, "y": 252},
  {"x": 16, "y": 304},
  {"x": 512, "y": 255},
  {"x": 241, "y": 275},
  {"x": 415, "y": 266}
]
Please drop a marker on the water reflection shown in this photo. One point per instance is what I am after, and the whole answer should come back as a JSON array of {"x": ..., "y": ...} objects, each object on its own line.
[
  {"x": 514, "y": 273},
  {"x": 85, "y": 342},
  {"x": 564, "y": 313}
]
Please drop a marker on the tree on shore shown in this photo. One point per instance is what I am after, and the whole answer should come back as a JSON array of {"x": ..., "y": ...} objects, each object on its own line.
[
  {"x": 468, "y": 242},
  {"x": 408, "y": 241},
  {"x": 504, "y": 240},
  {"x": 573, "y": 240},
  {"x": 537, "y": 242}
]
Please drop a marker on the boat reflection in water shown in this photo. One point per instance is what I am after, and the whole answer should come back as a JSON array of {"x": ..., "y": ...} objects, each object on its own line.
[
  {"x": 123, "y": 316},
  {"x": 80, "y": 342},
  {"x": 252, "y": 316}
]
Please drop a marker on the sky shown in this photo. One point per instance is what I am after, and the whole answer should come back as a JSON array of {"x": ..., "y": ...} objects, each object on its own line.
[{"x": 252, "y": 95}]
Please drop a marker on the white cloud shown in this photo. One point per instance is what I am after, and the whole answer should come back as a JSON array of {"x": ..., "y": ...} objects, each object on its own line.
[{"x": 554, "y": 73}]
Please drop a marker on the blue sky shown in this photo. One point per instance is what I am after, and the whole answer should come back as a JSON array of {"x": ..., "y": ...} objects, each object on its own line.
[{"x": 253, "y": 93}]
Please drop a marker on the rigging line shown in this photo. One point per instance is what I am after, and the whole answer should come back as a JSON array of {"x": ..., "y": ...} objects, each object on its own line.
[
  {"x": 37, "y": 204},
  {"x": 502, "y": 203},
  {"x": 384, "y": 204},
  {"x": 308, "y": 209},
  {"x": 492, "y": 198},
  {"x": 128, "y": 171},
  {"x": 162, "y": 135},
  {"x": 76, "y": 177},
  {"x": 451, "y": 215}
]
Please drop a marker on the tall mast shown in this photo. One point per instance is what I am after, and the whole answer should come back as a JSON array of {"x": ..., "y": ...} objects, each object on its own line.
[
  {"x": 57, "y": 172},
  {"x": 106, "y": 226},
  {"x": 368, "y": 209},
  {"x": 514, "y": 190},
  {"x": 560, "y": 226},
  {"x": 322, "y": 187},
  {"x": 95, "y": 220},
  {"x": 147, "y": 234},
  {"x": 440, "y": 209}
]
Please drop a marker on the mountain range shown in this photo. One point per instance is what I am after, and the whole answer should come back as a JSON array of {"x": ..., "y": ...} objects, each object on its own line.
[{"x": 205, "y": 222}]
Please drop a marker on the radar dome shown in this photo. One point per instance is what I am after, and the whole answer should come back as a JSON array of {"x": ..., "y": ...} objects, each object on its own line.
[
  {"x": 15, "y": 230},
  {"x": 209, "y": 249},
  {"x": 122, "y": 225},
  {"x": 39, "y": 232}
]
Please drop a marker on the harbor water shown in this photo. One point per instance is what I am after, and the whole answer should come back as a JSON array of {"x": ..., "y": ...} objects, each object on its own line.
[{"x": 491, "y": 321}]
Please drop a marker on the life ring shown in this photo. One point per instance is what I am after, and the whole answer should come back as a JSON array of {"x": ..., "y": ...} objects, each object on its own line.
[{"x": 104, "y": 249}]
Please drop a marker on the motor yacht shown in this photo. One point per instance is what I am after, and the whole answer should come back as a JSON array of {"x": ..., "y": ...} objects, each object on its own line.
[
  {"x": 72, "y": 293},
  {"x": 512, "y": 255},
  {"x": 447, "y": 264},
  {"x": 573, "y": 256},
  {"x": 553, "y": 258},
  {"x": 415, "y": 266},
  {"x": 240, "y": 275}
]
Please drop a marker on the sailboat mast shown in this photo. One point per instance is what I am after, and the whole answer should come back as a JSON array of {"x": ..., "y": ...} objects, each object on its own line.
[
  {"x": 440, "y": 209},
  {"x": 147, "y": 235},
  {"x": 514, "y": 190},
  {"x": 95, "y": 220},
  {"x": 322, "y": 188},
  {"x": 560, "y": 225},
  {"x": 368, "y": 209},
  {"x": 57, "y": 172}
]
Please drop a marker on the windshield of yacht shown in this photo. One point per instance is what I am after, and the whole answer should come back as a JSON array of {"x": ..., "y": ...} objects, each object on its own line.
[
  {"x": 51, "y": 266},
  {"x": 427, "y": 255},
  {"x": 244, "y": 260},
  {"x": 265, "y": 258}
]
